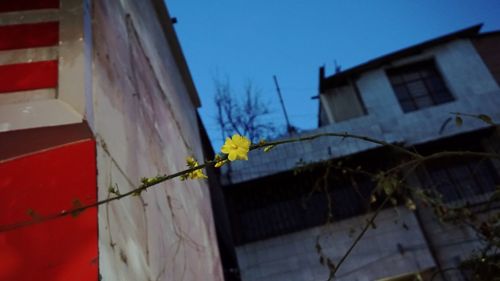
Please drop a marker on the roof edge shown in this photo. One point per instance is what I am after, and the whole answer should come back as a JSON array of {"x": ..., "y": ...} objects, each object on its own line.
[
  {"x": 171, "y": 36},
  {"x": 328, "y": 82}
]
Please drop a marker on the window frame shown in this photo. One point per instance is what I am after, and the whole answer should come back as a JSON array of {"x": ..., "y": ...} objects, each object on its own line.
[
  {"x": 286, "y": 204},
  {"x": 334, "y": 92},
  {"x": 452, "y": 190},
  {"x": 427, "y": 76}
]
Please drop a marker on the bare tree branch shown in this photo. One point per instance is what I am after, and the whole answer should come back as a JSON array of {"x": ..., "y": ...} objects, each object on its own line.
[{"x": 243, "y": 116}]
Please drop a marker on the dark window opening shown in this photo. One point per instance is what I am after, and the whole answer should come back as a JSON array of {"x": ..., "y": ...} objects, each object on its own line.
[
  {"x": 460, "y": 180},
  {"x": 480, "y": 269},
  {"x": 287, "y": 204},
  {"x": 418, "y": 86}
]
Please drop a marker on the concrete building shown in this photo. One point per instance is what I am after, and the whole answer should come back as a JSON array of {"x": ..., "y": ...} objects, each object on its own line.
[
  {"x": 406, "y": 98},
  {"x": 95, "y": 95}
]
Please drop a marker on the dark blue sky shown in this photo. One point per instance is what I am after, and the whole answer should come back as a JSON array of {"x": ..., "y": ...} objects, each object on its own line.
[{"x": 253, "y": 40}]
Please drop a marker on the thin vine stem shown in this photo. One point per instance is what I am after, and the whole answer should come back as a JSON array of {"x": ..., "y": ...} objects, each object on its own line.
[
  {"x": 74, "y": 211},
  {"x": 340, "y": 135},
  {"x": 358, "y": 238},
  {"x": 159, "y": 179},
  {"x": 444, "y": 154}
]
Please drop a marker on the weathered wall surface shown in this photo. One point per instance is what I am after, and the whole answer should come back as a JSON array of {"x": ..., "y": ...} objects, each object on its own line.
[
  {"x": 467, "y": 78},
  {"x": 145, "y": 124},
  {"x": 293, "y": 257},
  {"x": 453, "y": 244}
]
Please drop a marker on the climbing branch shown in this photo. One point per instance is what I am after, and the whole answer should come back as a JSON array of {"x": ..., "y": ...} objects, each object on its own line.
[{"x": 148, "y": 183}]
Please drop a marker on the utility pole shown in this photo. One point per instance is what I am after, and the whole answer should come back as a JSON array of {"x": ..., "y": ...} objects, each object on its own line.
[{"x": 289, "y": 127}]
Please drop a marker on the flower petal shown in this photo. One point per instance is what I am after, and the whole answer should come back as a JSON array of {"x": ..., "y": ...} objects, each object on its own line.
[
  {"x": 226, "y": 148},
  {"x": 232, "y": 155},
  {"x": 241, "y": 141},
  {"x": 236, "y": 147}
]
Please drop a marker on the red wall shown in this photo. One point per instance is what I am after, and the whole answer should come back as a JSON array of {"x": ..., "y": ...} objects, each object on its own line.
[
  {"x": 47, "y": 182},
  {"x": 45, "y": 170}
]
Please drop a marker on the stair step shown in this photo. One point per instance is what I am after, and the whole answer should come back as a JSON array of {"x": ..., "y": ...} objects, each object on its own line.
[{"x": 35, "y": 114}]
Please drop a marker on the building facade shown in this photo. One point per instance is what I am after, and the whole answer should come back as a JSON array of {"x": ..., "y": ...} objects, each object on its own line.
[
  {"x": 409, "y": 98},
  {"x": 95, "y": 95}
]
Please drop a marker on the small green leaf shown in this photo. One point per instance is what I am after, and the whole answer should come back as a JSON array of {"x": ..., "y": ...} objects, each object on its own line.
[
  {"x": 269, "y": 147},
  {"x": 149, "y": 181},
  {"x": 114, "y": 189},
  {"x": 410, "y": 204},
  {"x": 485, "y": 118},
  {"x": 77, "y": 204},
  {"x": 458, "y": 121},
  {"x": 388, "y": 184}
]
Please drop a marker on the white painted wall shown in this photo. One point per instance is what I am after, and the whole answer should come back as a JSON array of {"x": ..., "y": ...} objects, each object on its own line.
[
  {"x": 467, "y": 77},
  {"x": 145, "y": 125},
  {"x": 293, "y": 257}
]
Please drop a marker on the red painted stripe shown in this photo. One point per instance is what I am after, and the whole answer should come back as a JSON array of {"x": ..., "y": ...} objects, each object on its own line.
[
  {"x": 46, "y": 183},
  {"x": 28, "y": 76},
  {"x": 22, "y": 5},
  {"x": 32, "y": 35}
]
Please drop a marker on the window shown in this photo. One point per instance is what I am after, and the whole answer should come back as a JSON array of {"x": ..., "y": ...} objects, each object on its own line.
[
  {"x": 345, "y": 102},
  {"x": 461, "y": 180},
  {"x": 418, "y": 86},
  {"x": 281, "y": 205},
  {"x": 473, "y": 269}
]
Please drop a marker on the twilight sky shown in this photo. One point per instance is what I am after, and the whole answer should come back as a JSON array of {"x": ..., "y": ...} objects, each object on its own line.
[{"x": 254, "y": 40}]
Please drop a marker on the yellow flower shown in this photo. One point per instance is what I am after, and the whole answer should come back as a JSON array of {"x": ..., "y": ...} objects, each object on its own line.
[
  {"x": 236, "y": 147},
  {"x": 219, "y": 161},
  {"x": 197, "y": 174},
  {"x": 191, "y": 162}
]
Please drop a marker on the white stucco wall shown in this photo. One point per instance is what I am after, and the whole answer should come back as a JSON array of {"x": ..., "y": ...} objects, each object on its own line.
[
  {"x": 465, "y": 74},
  {"x": 145, "y": 124},
  {"x": 293, "y": 257}
]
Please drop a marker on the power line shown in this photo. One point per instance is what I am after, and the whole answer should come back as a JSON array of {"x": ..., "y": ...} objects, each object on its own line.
[{"x": 289, "y": 127}]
